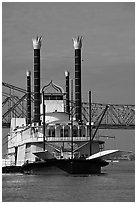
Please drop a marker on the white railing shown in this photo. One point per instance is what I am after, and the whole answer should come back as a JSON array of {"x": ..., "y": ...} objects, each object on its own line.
[
  {"x": 66, "y": 138},
  {"x": 7, "y": 162}
]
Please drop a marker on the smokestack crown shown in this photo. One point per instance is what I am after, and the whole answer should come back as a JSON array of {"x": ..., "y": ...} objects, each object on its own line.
[
  {"x": 28, "y": 73},
  {"x": 66, "y": 73},
  {"x": 37, "y": 42},
  {"x": 77, "y": 43}
]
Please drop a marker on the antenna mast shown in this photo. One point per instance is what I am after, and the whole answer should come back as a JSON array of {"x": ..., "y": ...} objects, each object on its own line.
[{"x": 90, "y": 128}]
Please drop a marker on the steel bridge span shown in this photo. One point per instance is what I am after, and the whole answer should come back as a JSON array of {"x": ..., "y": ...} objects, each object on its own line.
[{"x": 116, "y": 116}]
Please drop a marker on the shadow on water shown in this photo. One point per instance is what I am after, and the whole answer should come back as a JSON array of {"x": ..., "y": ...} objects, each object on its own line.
[{"x": 86, "y": 175}]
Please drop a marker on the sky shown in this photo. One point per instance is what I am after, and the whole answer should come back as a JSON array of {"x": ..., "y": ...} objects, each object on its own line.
[{"x": 108, "y": 47}]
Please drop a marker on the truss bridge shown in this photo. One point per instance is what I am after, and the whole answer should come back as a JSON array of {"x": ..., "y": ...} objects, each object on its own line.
[{"x": 115, "y": 116}]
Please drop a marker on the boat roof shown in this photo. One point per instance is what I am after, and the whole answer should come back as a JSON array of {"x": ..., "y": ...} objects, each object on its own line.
[
  {"x": 61, "y": 118},
  {"x": 51, "y": 87}
]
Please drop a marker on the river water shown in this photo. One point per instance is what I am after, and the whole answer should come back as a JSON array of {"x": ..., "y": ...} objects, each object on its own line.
[{"x": 115, "y": 184}]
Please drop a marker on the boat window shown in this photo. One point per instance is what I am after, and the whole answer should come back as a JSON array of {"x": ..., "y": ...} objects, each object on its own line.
[
  {"x": 88, "y": 130},
  {"x": 51, "y": 132},
  {"x": 28, "y": 145},
  {"x": 61, "y": 132},
  {"x": 53, "y": 97},
  {"x": 101, "y": 147},
  {"x": 59, "y": 97},
  {"x": 82, "y": 131},
  {"x": 66, "y": 131},
  {"x": 75, "y": 131}
]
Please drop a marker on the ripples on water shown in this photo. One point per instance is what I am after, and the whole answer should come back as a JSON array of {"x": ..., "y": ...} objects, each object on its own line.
[{"x": 115, "y": 184}]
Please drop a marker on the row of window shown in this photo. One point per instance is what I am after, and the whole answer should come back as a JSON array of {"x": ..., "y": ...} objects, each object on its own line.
[
  {"x": 53, "y": 97},
  {"x": 66, "y": 132}
]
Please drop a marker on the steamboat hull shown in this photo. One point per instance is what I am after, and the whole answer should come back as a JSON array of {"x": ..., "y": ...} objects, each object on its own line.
[{"x": 65, "y": 167}]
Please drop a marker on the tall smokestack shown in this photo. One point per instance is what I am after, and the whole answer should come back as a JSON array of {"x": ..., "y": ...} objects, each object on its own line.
[
  {"x": 67, "y": 92},
  {"x": 77, "y": 42},
  {"x": 28, "y": 97},
  {"x": 36, "y": 46}
]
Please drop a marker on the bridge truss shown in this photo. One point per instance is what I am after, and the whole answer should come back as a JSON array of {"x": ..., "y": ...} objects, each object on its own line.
[{"x": 118, "y": 116}]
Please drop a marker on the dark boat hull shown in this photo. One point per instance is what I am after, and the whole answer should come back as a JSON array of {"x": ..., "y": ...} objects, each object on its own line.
[
  {"x": 11, "y": 169},
  {"x": 54, "y": 166}
]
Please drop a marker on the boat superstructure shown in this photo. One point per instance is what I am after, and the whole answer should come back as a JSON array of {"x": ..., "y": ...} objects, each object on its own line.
[
  {"x": 56, "y": 138},
  {"x": 26, "y": 141}
]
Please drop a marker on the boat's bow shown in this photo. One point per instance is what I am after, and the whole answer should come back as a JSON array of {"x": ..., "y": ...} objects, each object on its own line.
[{"x": 106, "y": 154}]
